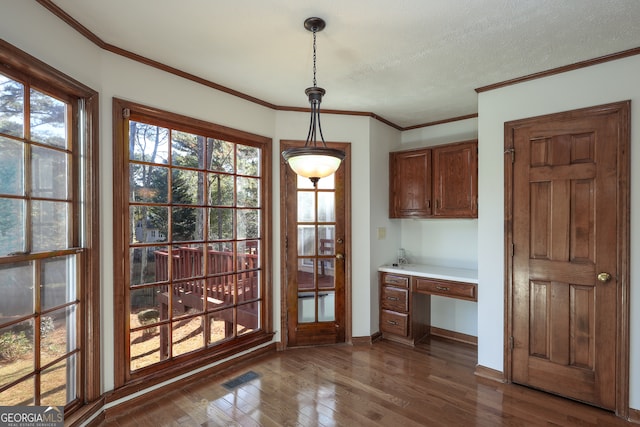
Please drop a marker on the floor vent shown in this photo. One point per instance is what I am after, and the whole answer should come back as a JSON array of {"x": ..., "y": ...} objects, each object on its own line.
[{"x": 242, "y": 379}]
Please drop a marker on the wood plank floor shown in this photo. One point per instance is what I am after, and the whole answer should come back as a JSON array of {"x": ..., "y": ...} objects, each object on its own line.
[{"x": 385, "y": 384}]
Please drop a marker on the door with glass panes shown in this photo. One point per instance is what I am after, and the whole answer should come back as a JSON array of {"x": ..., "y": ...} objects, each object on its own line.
[{"x": 315, "y": 247}]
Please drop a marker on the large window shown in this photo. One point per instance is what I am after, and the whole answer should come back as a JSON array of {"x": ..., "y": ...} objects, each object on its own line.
[
  {"x": 193, "y": 238},
  {"x": 47, "y": 290}
]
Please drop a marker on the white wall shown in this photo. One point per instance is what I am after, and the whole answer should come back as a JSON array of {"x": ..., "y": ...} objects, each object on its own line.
[
  {"x": 599, "y": 84},
  {"x": 442, "y": 241},
  {"x": 385, "y": 234}
]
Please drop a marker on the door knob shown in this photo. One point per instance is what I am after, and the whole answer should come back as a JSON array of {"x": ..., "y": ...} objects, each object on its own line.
[
  {"x": 604, "y": 277},
  {"x": 339, "y": 256}
]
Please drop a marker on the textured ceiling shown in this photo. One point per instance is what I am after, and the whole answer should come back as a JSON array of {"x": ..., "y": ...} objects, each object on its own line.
[{"x": 408, "y": 61}]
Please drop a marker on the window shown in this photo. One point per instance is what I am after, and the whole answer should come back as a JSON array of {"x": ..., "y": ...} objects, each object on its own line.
[
  {"x": 193, "y": 240},
  {"x": 47, "y": 237}
]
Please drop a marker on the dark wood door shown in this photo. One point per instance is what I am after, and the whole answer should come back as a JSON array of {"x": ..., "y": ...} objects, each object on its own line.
[
  {"x": 455, "y": 180},
  {"x": 316, "y": 254},
  {"x": 410, "y": 184},
  {"x": 565, "y": 255}
]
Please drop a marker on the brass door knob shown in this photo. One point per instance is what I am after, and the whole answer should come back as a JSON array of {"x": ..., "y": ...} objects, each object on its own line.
[
  {"x": 339, "y": 256},
  {"x": 604, "y": 277}
]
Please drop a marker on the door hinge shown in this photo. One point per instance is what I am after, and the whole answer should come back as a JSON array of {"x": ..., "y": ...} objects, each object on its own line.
[
  {"x": 511, "y": 151},
  {"x": 513, "y": 250},
  {"x": 511, "y": 342},
  {"x": 126, "y": 113}
]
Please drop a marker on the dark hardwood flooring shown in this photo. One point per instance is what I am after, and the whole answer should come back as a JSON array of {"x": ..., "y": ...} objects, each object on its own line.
[{"x": 385, "y": 384}]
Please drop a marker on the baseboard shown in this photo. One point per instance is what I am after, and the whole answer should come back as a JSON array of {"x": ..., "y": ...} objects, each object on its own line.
[
  {"x": 634, "y": 415},
  {"x": 366, "y": 340},
  {"x": 452, "y": 335},
  {"x": 83, "y": 416},
  {"x": 490, "y": 374}
]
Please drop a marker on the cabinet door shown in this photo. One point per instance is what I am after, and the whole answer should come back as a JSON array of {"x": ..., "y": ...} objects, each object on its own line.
[
  {"x": 455, "y": 175},
  {"x": 410, "y": 186}
]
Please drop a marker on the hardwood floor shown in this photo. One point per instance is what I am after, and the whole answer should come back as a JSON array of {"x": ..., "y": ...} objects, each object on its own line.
[{"x": 385, "y": 384}]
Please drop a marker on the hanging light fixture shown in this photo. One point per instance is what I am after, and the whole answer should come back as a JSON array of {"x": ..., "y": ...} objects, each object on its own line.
[{"x": 313, "y": 161}]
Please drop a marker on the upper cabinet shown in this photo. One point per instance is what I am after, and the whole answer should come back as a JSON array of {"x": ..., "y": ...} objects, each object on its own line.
[
  {"x": 410, "y": 186},
  {"x": 440, "y": 181}
]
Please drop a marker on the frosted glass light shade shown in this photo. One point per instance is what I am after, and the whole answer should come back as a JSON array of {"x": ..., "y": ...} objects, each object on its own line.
[{"x": 313, "y": 162}]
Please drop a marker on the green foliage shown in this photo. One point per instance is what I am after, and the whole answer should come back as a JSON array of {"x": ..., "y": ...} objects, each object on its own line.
[{"x": 14, "y": 345}]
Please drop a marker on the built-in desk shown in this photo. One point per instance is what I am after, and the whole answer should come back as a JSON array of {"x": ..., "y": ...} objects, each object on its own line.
[{"x": 405, "y": 297}]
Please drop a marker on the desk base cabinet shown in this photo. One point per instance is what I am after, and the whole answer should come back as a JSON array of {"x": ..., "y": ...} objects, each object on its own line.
[
  {"x": 404, "y": 315},
  {"x": 405, "y": 304}
]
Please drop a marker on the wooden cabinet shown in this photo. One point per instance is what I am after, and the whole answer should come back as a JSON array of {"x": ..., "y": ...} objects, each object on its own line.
[
  {"x": 440, "y": 181},
  {"x": 399, "y": 321},
  {"x": 405, "y": 304},
  {"x": 455, "y": 180},
  {"x": 410, "y": 186}
]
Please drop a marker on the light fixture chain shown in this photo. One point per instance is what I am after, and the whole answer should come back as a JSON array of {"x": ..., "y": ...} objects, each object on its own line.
[{"x": 314, "y": 57}]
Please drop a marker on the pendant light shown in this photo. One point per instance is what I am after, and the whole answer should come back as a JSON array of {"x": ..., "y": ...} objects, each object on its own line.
[{"x": 314, "y": 161}]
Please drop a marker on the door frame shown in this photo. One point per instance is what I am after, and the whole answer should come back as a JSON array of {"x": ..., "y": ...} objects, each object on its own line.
[
  {"x": 623, "y": 215},
  {"x": 346, "y": 163}
]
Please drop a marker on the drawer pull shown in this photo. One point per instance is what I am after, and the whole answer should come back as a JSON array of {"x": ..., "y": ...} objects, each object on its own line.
[
  {"x": 442, "y": 288},
  {"x": 393, "y": 298},
  {"x": 392, "y": 322}
]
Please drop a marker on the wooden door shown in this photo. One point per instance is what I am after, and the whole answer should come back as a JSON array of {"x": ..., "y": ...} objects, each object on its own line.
[
  {"x": 455, "y": 180},
  {"x": 568, "y": 253},
  {"x": 316, "y": 255},
  {"x": 410, "y": 186}
]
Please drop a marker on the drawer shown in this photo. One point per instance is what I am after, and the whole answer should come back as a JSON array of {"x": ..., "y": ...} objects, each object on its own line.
[
  {"x": 394, "y": 323},
  {"x": 395, "y": 280},
  {"x": 446, "y": 288},
  {"x": 395, "y": 299}
]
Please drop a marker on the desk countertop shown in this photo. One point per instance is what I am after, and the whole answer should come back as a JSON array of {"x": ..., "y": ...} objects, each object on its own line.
[{"x": 434, "y": 272}]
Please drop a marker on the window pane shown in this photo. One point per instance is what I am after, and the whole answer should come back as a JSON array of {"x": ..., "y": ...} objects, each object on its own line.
[
  {"x": 326, "y": 239},
  {"x": 50, "y": 223},
  {"x": 12, "y": 118},
  {"x": 306, "y": 206},
  {"x": 220, "y": 326},
  {"x": 11, "y": 166},
  {"x": 145, "y": 346},
  {"x": 58, "y": 281},
  {"x": 306, "y": 271},
  {"x": 12, "y": 231},
  {"x": 248, "y": 192},
  {"x": 48, "y": 121},
  {"x": 222, "y": 159},
  {"x": 247, "y": 261},
  {"x": 187, "y": 298},
  {"x": 187, "y": 149},
  {"x": 148, "y": 143},
  {"x": 21, "y": 394},
  {"x": 220, "y": 292},
  {"x": 220, "y": 260},
  {"x": 220, "y": 190},
  {"x": 16, "y": 353},
  {"x": 187, "y": 187},
  {"x": 306, "y": 240},
  {"x": 187, "y": 335},
  {"x": 248, "y": 317},
  {"x": 326, "y": 207},
  {"x": 326, "y": 306},
  {"x": 221, "y": 224},
  {"x": 149, "y": 264},
  {"x": 150, "y": 224},
  {"x": 49, "y": 173},
  {"x": 248, "y": 160},
  {"x": 57, "y": 331},
  {"x": 148, "y": 183},
  {"x": 58, "y": 383},
  {"x": 16, "y": 290},
  {"x": 248, "y": 286},
  {"x": 305, "y": 183},
  {"x": 187, "y": 224},
  {"x": 148, "y": 305},
  {"x": 248, "y": 224},
  {"x": 187, "y": 261},
  {"x": 306, "y": 307},
  {"x": 327, "y": 183}
]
